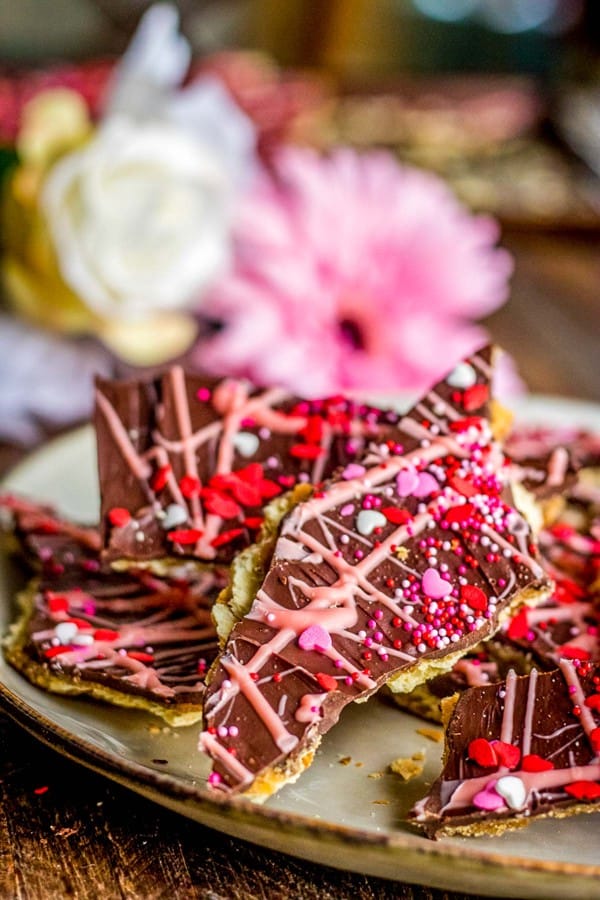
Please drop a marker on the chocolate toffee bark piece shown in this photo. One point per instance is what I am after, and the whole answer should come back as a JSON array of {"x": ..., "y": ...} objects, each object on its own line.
[
  {"x": 567, "y": 624},
  {"x": 187, "y": 464},
  {"x": 134, "y": 641},
  {"x": 516, "y": 750},
  {"x": 545, "y": 461},
  {"x": 390, "y": 573},
  {"x": 549, "y": 455},
  {"x": 538, "y": 443},
  {"x": 46, "y": 541}
]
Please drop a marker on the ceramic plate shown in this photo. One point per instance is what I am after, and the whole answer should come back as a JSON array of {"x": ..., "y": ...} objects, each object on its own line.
[{"x": 347, "y": 810}]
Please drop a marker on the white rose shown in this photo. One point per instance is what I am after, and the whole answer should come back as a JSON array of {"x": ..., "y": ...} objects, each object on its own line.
[{"x": 140, "y": 217}]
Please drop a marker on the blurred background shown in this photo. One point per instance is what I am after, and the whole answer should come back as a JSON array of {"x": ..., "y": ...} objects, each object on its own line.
[{"x": 500, "y": 98}]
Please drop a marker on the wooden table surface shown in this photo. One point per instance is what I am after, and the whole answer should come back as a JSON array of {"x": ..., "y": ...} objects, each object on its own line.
[{"x": 65, "y": 832}]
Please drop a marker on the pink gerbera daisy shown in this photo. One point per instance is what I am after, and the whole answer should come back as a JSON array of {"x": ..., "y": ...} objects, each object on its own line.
[{"x": 352, "y": 271}]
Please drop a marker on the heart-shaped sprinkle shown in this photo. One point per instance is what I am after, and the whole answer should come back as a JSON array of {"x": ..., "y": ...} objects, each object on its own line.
[
  {"x": 474, "y": 597},
  {"x": 459, "y": 513},
  {"x": 314, "y": 638},
  {"x": 488, "y": 799},
  {"x": 327, "y": 682},
  {"x": 174, "y": 515},
  {"x": 353, "y": 470},
  {"x": 65, "y": 631},
  {"x": 396, "y": 515},
  {"x": 595, "y": 739},
  {"x": 519, "y": 626},
  {"x": 475, "y": 397},
  {"x": 245, "y": 443},
  {"x": 513, "y": 790},
  {"x": 426, "y": 485},
  {"x": 584, "y": 790},
  {"x": 369, "y": 519},
  {"x": 508, "y": 755},
  {"x": 286, "y": 481},
  {"x": 483, "y": 753},
  {"x": 462, "y": 376},
  {"x": 434, "y": 585},
  {"x": 83, "y": 640},
  {"x": 534, "y": 763},
  {"x": 406, "y": 482},
  {"x": 119, "y": 517}
]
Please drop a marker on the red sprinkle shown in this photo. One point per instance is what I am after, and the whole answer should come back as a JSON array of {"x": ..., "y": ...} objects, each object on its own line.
[
  {"x": 518, "y": 628},
  {"x": 105, "y": 634},
  {"x": 468, "y": 422},
  {"x": 475, "y": 397},
  {"x": 570, "y": 651},
  {"x": 219, "y": 504},
  {"x": 119, "y": 516},
  {"x": 397, "y": 516},
  {"x": 51, "y": 652},
  {"x": 459, "y": 513},
  {"x": 313, "y": 430},
  {"x": 246, "y": 493},
  {"x": 190, "y": 486},
  {"x": 41, "y": 790},
  {"x": 595, "y": 739},
  {"x": 584, "y": 790},
  {"x": 306, "y": 451},
  {"x": 462, "y": 486},
  {"x": 327, "y": 682},
  {"x": 226, "y": 537},
  {"x": 141, "y": 657},
  {"x": 483, "y": 753},
  {"x": 160, "y": 478},
  {"x": 474, "y": 597},
  {"x": 508, "y": 754},
  {"x": 593, "y": 702},
  {"x": 185, "y": 536},
  {"x": 253, "y": 522},
  {"x": 58, "y": 604},
  {"x": 534, "y": 763},
  {"x": 269, "y": 489}
]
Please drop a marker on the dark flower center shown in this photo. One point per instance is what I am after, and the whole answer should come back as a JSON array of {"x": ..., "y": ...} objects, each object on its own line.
[{"x": 351, "y": 333}]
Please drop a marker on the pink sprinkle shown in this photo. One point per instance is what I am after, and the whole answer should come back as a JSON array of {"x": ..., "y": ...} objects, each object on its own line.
[
  {"x": 203, "y": 394},
  {"x": 314, "y": 638},
  {"x": 353, "y": 470},
  {"x": 572, "y": 689},
  {"x": 347, "y": 510},
  {"x": 214, "y": 778},
  {"x": 358, "y": 554},
  {"x": 488, "y": 799},
  {"x": 378, "y": 614},
  {"x": 434, "y": 585},
  {"x": 233, "y": 731}
]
